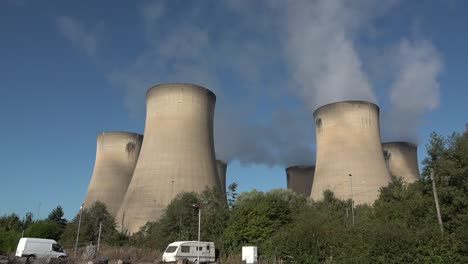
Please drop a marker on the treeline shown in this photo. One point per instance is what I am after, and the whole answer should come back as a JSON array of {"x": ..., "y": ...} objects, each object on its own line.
[{"x": 401, "y": 227}]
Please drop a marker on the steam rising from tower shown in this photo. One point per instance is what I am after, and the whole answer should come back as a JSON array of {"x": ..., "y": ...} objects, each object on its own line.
[
  {"x": 300, "y": 179},
  {"x": 402, "y": 160},
  {"x": 116, "y": 157},
  {"x": 178, "y": 146},
  {"x": 348, "y": 143}
]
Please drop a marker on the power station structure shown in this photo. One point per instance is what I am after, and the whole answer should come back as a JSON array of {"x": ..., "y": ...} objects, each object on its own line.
[
  {"x": 350, "y": 160},
  {"x": 177, "y": 153},
  {"x": 402, "y": 160},
  {"x": 299, "y": 179},
  {"x": 116, "y": 157},
  {"x": 221, "y": 167}
]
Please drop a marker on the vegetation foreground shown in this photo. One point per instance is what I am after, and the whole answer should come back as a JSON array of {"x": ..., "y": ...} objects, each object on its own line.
[{"x": 401, "y": 227}]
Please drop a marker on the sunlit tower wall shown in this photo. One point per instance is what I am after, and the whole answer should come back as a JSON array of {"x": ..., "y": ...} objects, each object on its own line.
[
  {"x": 299, "y": 179},
  {"x": 402, "y": 160},
  {"x": 116, "y": 157},
  {"x": 348, "y": 143},
  {"x": 177, "y": 154},
  {"x": 221, "y": 167}
]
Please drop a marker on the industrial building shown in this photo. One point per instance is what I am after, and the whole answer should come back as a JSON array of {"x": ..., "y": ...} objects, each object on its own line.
[
  {"x": 116, "y": 157},
  {"x": 300, "y": 179},
  {"x": 350, "y": 160},
  {"x": 221, "y": 169},
  {"x": 402, "y": 160},
  {"x": 177, "y": 153}
]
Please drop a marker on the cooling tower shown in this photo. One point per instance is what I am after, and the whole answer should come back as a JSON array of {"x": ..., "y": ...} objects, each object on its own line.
[
  {"x": 177, "y": 154},
  {"x": 116, "y": 157},
  {"x": 221, "y": 168},
  {"x": 300, "y": 178},
  {"x": 402, "y": 160},
  {"x": 348, "y": 143}
]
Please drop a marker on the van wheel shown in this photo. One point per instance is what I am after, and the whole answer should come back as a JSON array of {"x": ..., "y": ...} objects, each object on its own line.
[{"x": 31, "y": 258}]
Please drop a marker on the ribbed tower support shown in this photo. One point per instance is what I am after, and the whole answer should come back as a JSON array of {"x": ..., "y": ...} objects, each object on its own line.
[
  {"x": 300, "y": 179},
  {"x": 116, "y": 157},
  {"x": 402, "y": 160},
  {"x": 221, "y": 168},
  {"x": 350, "y": 160},
  {"x": 177, "y": 154}
]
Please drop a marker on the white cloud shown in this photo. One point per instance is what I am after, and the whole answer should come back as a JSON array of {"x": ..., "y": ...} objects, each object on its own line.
[
  {"x": 75, "y": 32},
  {"x": 151, "y": 12}
]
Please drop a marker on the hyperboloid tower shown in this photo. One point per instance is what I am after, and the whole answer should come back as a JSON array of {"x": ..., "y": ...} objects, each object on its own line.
[
  {"x": 221, "y": 168},
  {"x": 300, "y": 179},
  {"x": 177, "y": 154},
  {"x": 402, "y": 160},
  {"x": 350, "y": 160},
  {"x": 116, "y": 157}
]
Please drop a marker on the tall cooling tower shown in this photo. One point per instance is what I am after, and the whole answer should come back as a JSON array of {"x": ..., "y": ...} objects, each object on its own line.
[
  {"x": 221, "y": 168},
  {"x": 300, "y": 179},
  {"x": 177, "y": 154},
  {"x": 348, "y": 143},
  {"x": 402, "y": 160},
  {"x": 116, "y": 157}
]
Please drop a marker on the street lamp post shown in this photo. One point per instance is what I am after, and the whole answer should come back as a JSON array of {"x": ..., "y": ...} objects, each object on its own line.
[
  {"x": 78, "y": 232},
  {"x": 197, "y": 206},
  {"x": 352, "y": 198}
]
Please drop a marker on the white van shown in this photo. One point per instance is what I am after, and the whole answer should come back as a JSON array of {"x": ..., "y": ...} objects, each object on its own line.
[
  {"x": 33, "y": 248},
  {"x": 188, "y": 250}
]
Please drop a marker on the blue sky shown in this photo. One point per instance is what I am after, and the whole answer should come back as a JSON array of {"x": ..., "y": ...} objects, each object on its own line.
[{"x": 71, "y": 69}]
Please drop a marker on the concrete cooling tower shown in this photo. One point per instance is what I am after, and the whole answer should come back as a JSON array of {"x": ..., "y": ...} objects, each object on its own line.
[
  {"x": 177, "y": 154},
  {"x": 348, "y": 143},
  {"x": 402, "y": 160},
  {"x": 221, "y": 169},
  {"x": 300, "y": 178},
  {"x": 116, "y": 157}
]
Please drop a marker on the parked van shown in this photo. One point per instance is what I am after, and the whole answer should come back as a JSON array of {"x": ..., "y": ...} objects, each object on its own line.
[
  {"x": 33, "y": 248},
  {"x": 180, "y": 250}
]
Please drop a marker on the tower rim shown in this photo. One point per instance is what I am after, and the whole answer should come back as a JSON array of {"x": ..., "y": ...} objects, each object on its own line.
[
  {"x": 180, "y": 84},
  {"x": 406, "y": 143},
  {"x": 300, "y": 167},
  {"x": 320, "y": 108}
]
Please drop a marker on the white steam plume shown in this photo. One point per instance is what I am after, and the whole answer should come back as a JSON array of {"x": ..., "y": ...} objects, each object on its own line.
[{"x": 416, "y": 87}]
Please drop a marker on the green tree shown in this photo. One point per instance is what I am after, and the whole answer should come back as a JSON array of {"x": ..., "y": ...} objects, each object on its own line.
[
  {"x": 89, "y": 230},
  {"x": 180, "y": 220},
  {"x": 44, "y": 229},
  {"x": 8, "y": 240},
  {"x": 256, "y": 216},
  {"x": 57, "y": 216}
]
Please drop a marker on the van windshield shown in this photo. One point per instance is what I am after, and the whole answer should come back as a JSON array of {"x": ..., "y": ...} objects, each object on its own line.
[{"x": 171, "y": 249}]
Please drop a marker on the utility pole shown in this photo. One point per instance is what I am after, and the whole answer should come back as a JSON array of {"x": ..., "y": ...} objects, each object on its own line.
[
  {"x": 78, "y": 232},
  {"x": 197, "y": 206},
  {"x": 352, "y": 198},
  {"x": 38, "y": 210},
  {"x": 123, "y": 219},
  {"x": 99, "y": 237},
  {"x": 436, "y": 200}
]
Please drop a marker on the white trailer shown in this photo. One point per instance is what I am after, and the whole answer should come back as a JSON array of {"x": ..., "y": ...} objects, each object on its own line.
[
  {"x": 180, "y": 250},
  {"x": 249, "y": 255},
  {"x": 39, "y": 248}
]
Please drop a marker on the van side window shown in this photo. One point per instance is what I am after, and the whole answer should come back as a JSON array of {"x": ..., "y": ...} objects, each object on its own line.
[
  {"x": 207, "y": 247},
  {"x": 185, "y": 249},
  {"x": 57, "y": 248}
]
